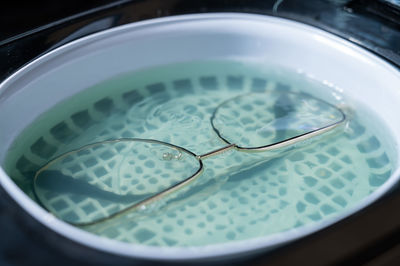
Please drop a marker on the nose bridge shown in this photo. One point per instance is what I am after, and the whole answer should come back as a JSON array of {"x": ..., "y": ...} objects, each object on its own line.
[{"x": 216, "y": 152}]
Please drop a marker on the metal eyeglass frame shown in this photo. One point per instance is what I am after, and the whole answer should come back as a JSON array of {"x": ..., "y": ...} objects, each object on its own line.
[{"x": 229, "y": 146}]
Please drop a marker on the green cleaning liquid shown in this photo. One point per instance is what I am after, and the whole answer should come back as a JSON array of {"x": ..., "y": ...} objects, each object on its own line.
[{"x": 239, "y": 195}]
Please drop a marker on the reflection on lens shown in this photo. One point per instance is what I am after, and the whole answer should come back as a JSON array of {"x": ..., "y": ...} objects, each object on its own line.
[
  {"x": 260, "y": 119},
  {"x": 103, "y": 179}
]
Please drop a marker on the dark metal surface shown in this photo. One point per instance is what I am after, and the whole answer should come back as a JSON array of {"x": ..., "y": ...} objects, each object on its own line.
[{"x": 370, "y": 237}]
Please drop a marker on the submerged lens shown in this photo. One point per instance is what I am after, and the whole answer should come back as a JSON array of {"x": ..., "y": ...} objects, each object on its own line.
[
  {"x": 260, "y": 119},
  {"x": 103, "y": 179}
]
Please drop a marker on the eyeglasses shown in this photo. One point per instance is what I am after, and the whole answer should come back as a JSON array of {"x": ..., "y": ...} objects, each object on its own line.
[{"x": 103, "y": 180}]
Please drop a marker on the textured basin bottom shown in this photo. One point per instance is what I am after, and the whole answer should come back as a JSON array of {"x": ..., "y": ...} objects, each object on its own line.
[{"x": 240, "y": 195}]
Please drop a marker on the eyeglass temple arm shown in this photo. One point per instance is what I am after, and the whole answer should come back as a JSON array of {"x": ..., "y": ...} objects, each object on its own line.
[{"x": 296, "y": 139}]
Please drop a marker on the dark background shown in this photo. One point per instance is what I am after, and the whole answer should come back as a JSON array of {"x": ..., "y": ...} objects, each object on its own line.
[
  {"x": 17, "y": 17},
  {"x": 28, "y": 29}
]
